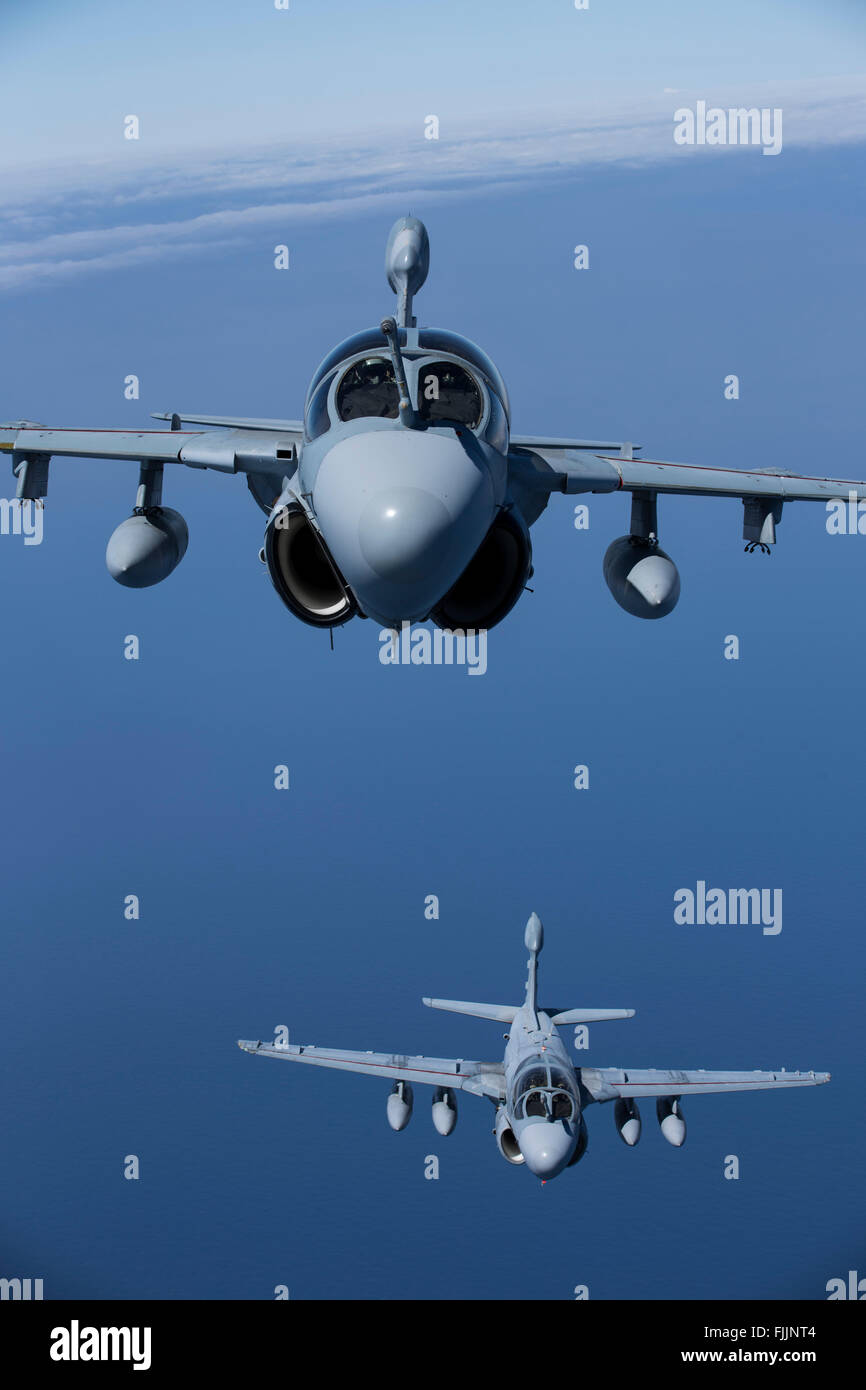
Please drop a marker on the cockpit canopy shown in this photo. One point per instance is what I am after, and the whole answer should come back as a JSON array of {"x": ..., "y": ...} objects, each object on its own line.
[
  {"x": 440, "y": 340},
  {"x": 368, "y": 388},
  {"x": 446, "y": 391},
  {"x": 356, "y": 380},
  {"x": 544, "y": 1092},
  {"x": 372, "y": 339}
]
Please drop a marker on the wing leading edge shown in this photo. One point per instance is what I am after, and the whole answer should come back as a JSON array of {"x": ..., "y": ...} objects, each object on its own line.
[
  {"x": 609, "y": 1083},
  {"x": 479, "y": 1078},
  {"x": 236, "y": 422}
]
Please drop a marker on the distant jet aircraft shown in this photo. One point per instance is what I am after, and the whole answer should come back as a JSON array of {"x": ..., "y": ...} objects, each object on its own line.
[
  {"x": 403, "y": 495},
  {"x": 538, "y": 1093}
]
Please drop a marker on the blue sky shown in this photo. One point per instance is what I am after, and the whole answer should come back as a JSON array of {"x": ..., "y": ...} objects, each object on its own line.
[
  {"x": 216, "y": 71},
  {"x": 306, "y": 908}
]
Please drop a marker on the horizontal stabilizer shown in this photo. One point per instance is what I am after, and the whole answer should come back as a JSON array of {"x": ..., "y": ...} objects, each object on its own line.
[
  {"x": 498, "y": 1013},
  {"x": 589, "y": 1015}
]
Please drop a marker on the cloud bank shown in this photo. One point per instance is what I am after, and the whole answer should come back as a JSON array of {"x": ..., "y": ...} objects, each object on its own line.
[{"x": 72, "y": 220}]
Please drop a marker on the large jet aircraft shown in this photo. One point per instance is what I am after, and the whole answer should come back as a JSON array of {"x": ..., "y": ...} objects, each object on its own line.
[
  {"x": 539, "y": 1094},
  {"x": 403, "y": 495}
]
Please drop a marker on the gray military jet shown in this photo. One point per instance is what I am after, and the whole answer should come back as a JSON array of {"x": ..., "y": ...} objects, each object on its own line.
[
  {"x": 539, "y": 1094},
  {"x": 403, "y": 495}
]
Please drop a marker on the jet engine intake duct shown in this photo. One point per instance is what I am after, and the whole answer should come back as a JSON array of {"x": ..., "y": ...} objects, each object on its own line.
[
  {"x": 505, "y": 1139},
  {"x": 494, "y": 579},
  {"x": 303, "y": 573}
]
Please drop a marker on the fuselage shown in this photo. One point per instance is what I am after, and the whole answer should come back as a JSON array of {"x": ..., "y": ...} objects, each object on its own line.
[
  {"x": 542, "y": 1098},
  {"x": 406, "y": 501}
]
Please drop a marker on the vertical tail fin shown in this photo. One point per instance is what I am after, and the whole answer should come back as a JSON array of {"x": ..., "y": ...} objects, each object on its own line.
[{"x": 534, "y": 940}]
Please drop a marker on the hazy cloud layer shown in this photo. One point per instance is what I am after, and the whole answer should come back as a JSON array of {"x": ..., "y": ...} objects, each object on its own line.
[{"x": 62, "y": 221}]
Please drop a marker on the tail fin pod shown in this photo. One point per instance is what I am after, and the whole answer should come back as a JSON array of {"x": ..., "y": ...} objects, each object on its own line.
[
  {"x": 407, "y": 260},
  {"x": 533, "y": 937}
]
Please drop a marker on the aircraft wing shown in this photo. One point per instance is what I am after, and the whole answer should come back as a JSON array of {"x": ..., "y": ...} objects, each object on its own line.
[
  {"x": 558, "y": 466},
  {"x": 693, "y": 480},
  {"x": 479, "y": 1078},
  {"x": 609, "y": 1083},
  {"x": 156, "y": 445},
  {"x": 538, "y": 468},
  {"x": 257, "y": 450}
]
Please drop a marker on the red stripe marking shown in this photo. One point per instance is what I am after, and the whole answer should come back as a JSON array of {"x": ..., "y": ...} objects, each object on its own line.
[{"x": 383, "y": 1066}]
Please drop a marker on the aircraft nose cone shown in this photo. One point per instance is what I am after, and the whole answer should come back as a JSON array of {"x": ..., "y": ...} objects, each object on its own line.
[
  {"x": 405, "y": 532},
  {"x": 402, "y": 512},
  {"x": 547, "y": 1147}
]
